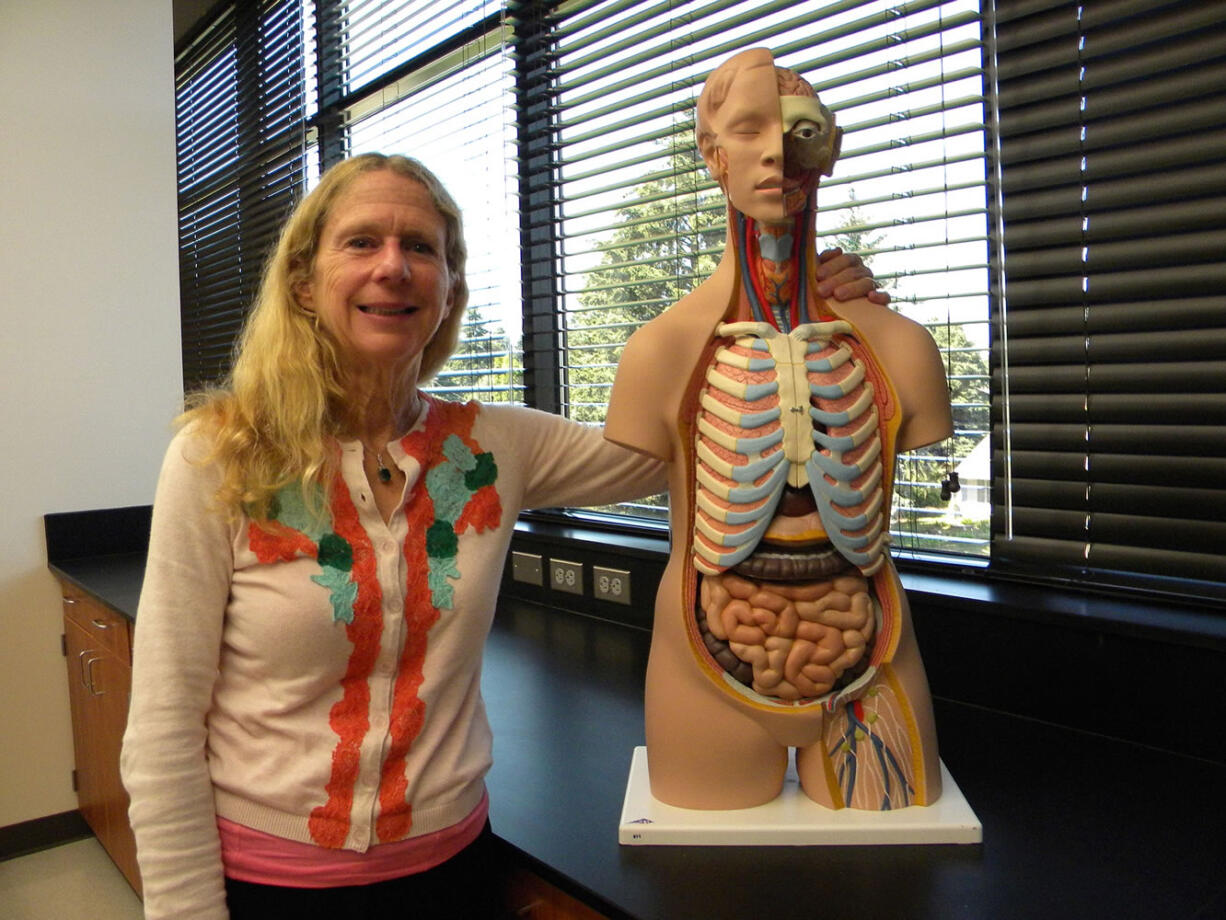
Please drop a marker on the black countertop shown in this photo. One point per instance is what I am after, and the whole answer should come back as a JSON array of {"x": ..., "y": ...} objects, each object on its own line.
[
  {"x": 114, "y": 579},
  {"x": 1074, "y": 825},
  {"x": 102, "y": 552}
]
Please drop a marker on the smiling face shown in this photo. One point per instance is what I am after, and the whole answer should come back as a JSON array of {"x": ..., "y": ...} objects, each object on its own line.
[{"x": 380, "y": 283}]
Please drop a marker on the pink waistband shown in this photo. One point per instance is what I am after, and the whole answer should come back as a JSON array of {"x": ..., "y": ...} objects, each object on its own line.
[{"x": 254, "y": 856}]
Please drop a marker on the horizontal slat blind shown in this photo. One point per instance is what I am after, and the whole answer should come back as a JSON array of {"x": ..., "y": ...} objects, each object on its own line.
[
  {"x": 239, "y": 111},
  {"x": 636, "y": 221},
  {"x": 1109, "y": 420},
  {"x": 379, "y": 37}
]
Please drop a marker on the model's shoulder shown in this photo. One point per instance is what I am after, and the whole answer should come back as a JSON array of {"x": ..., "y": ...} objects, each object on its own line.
[
  {"x": 686, "y": 325},
  {"x": 872, "y": 318},
  {"x": 893, "y": 337}
]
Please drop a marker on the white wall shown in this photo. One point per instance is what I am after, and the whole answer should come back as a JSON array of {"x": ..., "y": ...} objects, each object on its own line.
[{"x": 89, "y": 328}]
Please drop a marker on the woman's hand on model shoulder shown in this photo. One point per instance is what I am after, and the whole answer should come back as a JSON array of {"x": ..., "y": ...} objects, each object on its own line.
[{"x": 844, "y": 276}]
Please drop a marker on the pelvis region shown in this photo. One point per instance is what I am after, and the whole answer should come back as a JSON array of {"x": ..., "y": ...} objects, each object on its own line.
[{"x": 790, "y": 511}]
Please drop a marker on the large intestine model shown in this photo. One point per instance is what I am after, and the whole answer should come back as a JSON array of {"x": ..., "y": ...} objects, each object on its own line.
[{"x": 780, "y": 622}]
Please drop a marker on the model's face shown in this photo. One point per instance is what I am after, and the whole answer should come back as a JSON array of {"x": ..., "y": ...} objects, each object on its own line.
[
  {"x": 380, "y": 283},
  {"x": 761, "y": 145}
]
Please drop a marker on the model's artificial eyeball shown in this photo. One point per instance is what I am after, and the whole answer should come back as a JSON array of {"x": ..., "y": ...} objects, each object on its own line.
[
  {"x": 806, "y": 145},
  {"x": 806, "y": 130}
]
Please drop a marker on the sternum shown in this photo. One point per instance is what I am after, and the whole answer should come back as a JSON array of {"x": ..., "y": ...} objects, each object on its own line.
[{"x": 789, "y": 355}]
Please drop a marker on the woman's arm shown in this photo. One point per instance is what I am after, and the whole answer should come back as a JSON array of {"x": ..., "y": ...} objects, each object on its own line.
[
  {"x": 567, "y": 463},
  {"x": 175, "y": 655}
]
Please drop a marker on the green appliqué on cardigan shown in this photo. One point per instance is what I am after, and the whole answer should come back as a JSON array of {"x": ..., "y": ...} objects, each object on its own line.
[
  {"x": 289, "y": 507},
  {"x": 335, "y": 555},
  {"x": 336, "y": 560},
  {"x": 451, "y": 485}
]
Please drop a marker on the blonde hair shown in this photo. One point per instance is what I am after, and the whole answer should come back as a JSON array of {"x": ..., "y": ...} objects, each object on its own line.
[{"x": 274, "y": 420}]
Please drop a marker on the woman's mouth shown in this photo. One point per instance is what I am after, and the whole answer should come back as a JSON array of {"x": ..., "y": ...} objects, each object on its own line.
[{"x": 385, "y": 309}]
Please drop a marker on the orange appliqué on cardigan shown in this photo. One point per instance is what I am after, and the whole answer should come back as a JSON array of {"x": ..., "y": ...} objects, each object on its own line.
[
  {"x": 461, "y": 478},
  {"x": 272, "y": 541},
  {"x": 350, "y": 715},
  {"x": 427, "y": 518}
]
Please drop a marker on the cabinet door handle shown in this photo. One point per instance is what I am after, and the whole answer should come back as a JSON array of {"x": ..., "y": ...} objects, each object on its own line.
[
  {"x": 81, "y": 663},
  {"x": 100, "y": 623},
  {"x": 89, "y": 671},
  {"x": 69, "y": 600}
]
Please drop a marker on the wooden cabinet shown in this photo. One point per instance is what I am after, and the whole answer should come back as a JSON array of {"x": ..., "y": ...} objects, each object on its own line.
[{"x": 98, "y": 649}]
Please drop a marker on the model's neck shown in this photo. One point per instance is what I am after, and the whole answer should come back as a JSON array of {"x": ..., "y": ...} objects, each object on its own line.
[{"x": 774, "y": 259}]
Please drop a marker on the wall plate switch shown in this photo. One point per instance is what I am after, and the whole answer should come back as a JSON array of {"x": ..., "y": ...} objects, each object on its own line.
[
  {"x": 526, "y": 567},
  {"x": 611, "y": 584},
  {"x": 566, "y": 576}
]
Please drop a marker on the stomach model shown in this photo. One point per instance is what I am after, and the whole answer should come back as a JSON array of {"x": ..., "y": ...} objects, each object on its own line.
[{"x": 798, "y": 604}]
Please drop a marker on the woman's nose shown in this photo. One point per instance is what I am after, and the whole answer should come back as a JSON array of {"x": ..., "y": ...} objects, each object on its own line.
[{"x": 393, "y": 264}]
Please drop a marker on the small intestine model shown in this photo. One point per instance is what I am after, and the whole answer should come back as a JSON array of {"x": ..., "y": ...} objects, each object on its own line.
[{"x": 780, "y": 622}]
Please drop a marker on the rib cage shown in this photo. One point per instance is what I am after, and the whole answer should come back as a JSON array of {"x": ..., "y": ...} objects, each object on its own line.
[{"x": 787, "y": 409}]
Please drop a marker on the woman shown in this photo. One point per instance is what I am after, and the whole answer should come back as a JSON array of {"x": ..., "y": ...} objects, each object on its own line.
[{"x": 306, "y": 733}]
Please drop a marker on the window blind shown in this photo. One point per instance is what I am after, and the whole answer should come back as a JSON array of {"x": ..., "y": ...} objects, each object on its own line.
[
  {"x": 622, "y": 219},
  {"x": 378, "y": 37},
  {"x": 1108, "y": 415},
  {"x": 239, "y": 110}
]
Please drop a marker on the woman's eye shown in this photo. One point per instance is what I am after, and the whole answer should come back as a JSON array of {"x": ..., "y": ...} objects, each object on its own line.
[{"x": 361, "y": 242}]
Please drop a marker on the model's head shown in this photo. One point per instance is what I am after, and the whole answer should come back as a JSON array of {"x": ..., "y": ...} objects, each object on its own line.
[{"x": 765, "y": 136}]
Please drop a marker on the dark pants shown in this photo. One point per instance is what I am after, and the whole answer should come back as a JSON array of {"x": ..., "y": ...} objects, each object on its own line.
[{"x": 469, "y": 886}]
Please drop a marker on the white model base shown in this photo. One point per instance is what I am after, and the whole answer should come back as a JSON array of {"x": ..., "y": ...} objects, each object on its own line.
[{"x": 793, "y": 819}]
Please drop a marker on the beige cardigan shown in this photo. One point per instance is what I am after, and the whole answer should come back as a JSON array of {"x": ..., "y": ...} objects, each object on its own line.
[{"x": 322, "y": 683}]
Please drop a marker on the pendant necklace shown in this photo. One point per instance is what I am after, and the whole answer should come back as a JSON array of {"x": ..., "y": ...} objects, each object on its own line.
[{"x": 382, "y": 470}]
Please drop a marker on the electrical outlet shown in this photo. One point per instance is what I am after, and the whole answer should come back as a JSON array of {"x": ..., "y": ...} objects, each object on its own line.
[
  {"x": 526, "y": 567},
  {"x": 611, "y": 584},
  {"x": 566, "y": 576}
]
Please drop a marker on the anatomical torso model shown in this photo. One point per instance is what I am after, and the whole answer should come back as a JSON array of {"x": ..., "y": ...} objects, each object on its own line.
[{"x": 780, "y": 622}]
